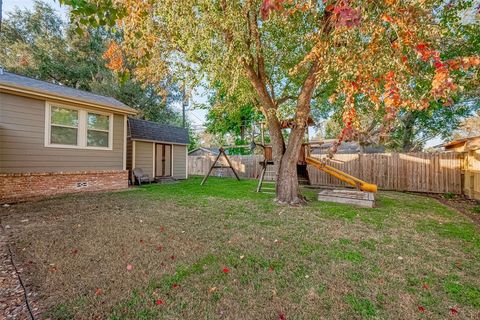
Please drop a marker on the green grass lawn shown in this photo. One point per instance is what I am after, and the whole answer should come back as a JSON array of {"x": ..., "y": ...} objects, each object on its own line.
[{"x": 222, "y": 251}]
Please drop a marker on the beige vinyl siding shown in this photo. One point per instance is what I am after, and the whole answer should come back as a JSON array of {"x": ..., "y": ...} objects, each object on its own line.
[
  {"x": 144, "y": 157},
  {"x": 179, "y": 162},
  {"x": 22, "y": 145}
]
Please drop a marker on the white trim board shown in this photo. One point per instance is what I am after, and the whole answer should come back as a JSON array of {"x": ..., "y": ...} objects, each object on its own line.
[
  {"x": 161, "y": 142},
  {"x": 124, "y": 142}
]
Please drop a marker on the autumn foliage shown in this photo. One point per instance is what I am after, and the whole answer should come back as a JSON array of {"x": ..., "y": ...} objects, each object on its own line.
[
  {"x": 384, "y": 67},
  {"x": 114, "y": 57}
]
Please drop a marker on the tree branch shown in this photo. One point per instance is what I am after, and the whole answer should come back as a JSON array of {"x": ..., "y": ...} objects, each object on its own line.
[
  {"x": 284, "y": 99},
  {"x": 304, "y": 99}
]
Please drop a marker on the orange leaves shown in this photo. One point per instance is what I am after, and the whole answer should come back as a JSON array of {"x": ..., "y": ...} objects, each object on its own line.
[
  {"x": 464, "y": 63},
  {"x": 114, "y": 57},
  {"x": 442, "y": 84},
  {"x": 345, "y": 15},
  {"x": 387, "y": 18},
  {"x": 392, "y": 97},
  {"x": 269, "y": 6}
]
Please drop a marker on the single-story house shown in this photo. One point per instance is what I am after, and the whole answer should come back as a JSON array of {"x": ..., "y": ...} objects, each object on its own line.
[
  {"x": 202, "y": 151},
  {"x": 159, "y": 150},
  {"x": 55, "y": 139}
]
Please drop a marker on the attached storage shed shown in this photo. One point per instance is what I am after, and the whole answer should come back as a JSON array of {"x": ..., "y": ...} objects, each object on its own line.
[{"x": 159, "y": 150}]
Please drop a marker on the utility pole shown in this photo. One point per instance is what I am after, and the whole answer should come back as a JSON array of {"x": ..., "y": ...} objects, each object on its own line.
[
  {"x": 184, "y": 101},
  {"x": 1, "y": 14}
]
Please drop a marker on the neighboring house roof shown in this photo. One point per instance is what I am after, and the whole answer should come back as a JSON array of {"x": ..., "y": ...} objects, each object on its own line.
[
  {"x": 464, "y": 144},
  {"x": 213, "y": 151},
  {"x": 152, "y": 131},
  {"x": 460, "y": 141},
  {"x": 20, "y": 84},
  {"x": 344, "y": 147}
]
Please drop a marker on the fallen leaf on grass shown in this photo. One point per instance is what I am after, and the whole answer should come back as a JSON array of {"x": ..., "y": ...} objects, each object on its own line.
[
  {"x": 159, "y": 302},
  {"x": 129, "y": 267},
  {"x": 172, "y": 257},
  {"x": 98, "y": 292},
  {"x": 421, "y": 309},
  {"x": 281, "y": 316},
  {"x": 425, "y": 286},
  {"x": 453, "y": 311},
  {"x": 159, "y": 248},
  {"x": 74, "y": 251},
  {"x": 175, "y": 285},
  {"x": 212, "y": 289}
]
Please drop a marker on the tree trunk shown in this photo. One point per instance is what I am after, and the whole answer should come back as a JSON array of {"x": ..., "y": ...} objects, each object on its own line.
[
  {"x": 287, "y": 190},
  {"x": 287, "y": 180},
  {"x": 407, "y": 139}
]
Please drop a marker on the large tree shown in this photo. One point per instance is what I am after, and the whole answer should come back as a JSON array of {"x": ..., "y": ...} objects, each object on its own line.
[
  {"x": 39, "y": 44},
  {"x": 387, "y": 54}
]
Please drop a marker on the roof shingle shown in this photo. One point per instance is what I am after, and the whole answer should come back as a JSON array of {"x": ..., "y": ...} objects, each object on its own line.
[
  {"x": 37, "y": 86},
  {"x": 151, "y": 131}
]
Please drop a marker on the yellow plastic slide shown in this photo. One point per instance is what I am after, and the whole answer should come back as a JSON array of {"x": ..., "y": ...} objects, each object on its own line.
[{"x": 345, "y": 177}]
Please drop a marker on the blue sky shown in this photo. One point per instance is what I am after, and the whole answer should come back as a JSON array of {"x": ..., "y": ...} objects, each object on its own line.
[
  {"x": 9, "y": 5},
  {"x": 196, "y": 117}
]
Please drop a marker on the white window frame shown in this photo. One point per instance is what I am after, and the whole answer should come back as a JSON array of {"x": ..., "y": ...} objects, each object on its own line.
[{"x": 82, "y": 127}]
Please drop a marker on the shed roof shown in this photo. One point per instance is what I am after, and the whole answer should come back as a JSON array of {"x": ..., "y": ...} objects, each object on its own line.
[
  {"x": 19, "y": 83},
  {"x": 152, "y": 131}
]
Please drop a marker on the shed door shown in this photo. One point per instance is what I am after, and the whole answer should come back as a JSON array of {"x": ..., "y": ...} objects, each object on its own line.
[{"x": 163, "y": 160}]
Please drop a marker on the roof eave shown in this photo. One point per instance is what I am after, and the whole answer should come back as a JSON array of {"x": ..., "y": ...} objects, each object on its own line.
[
  {"x": 24, "y": 91},
  {"x": 159, "y": 141}
]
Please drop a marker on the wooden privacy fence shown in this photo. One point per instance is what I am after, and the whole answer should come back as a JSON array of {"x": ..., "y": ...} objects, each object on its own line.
[
  {"x": 418, "y": 172},
  {"x": 246, "y": 166},
  {"x": 472, "y": 174}
]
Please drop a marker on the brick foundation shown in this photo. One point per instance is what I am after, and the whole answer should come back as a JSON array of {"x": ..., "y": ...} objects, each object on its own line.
[{"x": 16, "y": 187}]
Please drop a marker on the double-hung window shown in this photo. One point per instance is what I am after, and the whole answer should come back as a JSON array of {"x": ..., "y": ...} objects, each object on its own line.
[
  {"x": 71, "y": 127},
  {"x": 63, "y": 126},
  {"x": 98, "y": 130}
]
